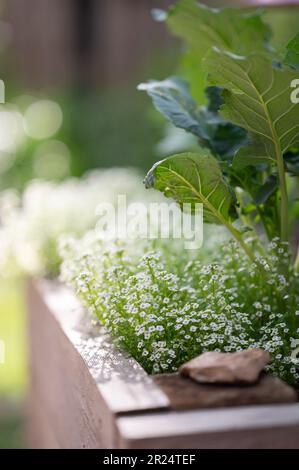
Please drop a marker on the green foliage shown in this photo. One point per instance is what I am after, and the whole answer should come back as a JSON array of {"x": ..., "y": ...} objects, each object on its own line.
[
  {"x": 249, "y": 109},
  {"x": 256, "y": 97},
  {"x": 202, "y": 28},
  {"x": 192, "y": 178},
  {"x": 192, "y": 21},
  {"x": 172, "y": 98}
]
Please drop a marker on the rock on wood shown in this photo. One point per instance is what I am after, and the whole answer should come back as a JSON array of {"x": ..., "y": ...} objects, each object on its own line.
[{"x": 227, "y": 368}]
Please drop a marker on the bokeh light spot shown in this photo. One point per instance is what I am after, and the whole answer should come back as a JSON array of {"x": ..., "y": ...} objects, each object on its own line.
[{"x": 42, "y": 119}]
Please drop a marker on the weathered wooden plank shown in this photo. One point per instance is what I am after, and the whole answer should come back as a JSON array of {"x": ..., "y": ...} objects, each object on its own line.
[
  {"x": 122, "y": 382},
  {"x": 39, "y": 434},
  {"x": 243, "y": 427},
  {"x": 66, "y": 409}
]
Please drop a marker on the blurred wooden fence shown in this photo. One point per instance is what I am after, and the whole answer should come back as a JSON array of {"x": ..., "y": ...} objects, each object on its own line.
[{"x": 56, "y": 42}]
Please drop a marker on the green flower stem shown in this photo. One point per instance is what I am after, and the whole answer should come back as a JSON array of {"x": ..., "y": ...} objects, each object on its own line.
[
  {"x": 236, "y": 234},
  {"x": 284, "y": 232}
]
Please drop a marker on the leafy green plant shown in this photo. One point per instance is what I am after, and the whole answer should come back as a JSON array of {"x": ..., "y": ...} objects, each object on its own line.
[
  {"x": 165, "y": 304},
  {"x": 247, "y": 126}
]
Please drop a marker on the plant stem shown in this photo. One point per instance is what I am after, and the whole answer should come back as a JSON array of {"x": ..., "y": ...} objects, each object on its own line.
[
  {"x": 284, "y": 202},
  {"x": 265, "y": 225},
  {"x": 284, "y": 206}
]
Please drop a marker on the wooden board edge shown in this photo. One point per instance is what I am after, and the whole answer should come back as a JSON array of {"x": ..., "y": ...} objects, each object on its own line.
[
  {"x": 262, "y": 426},
  {"x": 121, "y": 381}
]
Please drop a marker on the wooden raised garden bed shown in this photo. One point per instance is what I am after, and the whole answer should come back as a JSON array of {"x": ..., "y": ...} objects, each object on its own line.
[{"x": 87, "y": 394}]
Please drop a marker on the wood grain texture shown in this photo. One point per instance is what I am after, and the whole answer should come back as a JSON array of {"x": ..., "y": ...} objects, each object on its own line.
[
  {"x": 64, "y": 398},
  {"x": 251, "y": 427}
]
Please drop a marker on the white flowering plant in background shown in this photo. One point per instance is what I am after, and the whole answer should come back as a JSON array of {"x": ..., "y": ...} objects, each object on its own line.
[{"x": 31, "y": 224}]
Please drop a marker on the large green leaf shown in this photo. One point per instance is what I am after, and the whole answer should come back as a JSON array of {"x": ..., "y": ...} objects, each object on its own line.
[
  {"x": 257, "y": 98},
  {"x": 172, "y": 98},
  {"x": 194, "y": 178},
  {"x": 254, "y": 154},
  {"x": 225, "y": 138},
  {"x": 229, "y": 29}
]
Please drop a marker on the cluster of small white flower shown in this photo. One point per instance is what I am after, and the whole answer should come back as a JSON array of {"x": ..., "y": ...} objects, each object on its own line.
[
  {"x": 165, "y": 305},
  {"x": 30, "y": 226}
]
